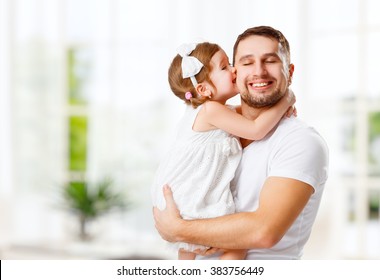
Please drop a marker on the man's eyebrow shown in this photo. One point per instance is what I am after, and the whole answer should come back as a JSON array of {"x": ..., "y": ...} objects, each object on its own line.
[
  {"x": 271, "y": 54},
  {"x": 265, "y": 55},
  {"x": 248, "y": 56}
]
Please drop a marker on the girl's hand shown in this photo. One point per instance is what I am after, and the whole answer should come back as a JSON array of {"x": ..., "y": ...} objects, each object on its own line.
[
  {"x": 290, "y": 97},
  {"x": 292, "y": 111}
]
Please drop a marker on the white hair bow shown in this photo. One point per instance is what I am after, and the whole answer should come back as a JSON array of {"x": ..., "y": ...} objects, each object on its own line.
[{"x": 191, "y": 66}]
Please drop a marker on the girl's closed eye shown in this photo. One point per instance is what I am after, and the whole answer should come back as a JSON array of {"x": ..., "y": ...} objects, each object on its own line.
[{"x": 226, "y": 66}]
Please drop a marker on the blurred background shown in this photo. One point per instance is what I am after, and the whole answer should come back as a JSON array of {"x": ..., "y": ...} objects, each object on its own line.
[{"x": 86, "y": 113}]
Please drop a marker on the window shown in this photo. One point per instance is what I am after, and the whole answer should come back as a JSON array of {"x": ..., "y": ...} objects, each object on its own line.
[
  {"x": 78, "y": 72},
  {"x": 343, "y": 65}
]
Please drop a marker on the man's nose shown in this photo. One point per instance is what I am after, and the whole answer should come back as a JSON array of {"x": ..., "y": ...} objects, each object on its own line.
[{"x": 259, "y": 69}]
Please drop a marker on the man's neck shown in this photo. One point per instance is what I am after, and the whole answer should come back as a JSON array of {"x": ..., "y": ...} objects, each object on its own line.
[{"x": 251, "y": 114}]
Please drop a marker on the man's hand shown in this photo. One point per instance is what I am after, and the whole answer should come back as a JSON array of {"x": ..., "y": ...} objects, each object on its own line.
[{"x": 168, "y": 221}]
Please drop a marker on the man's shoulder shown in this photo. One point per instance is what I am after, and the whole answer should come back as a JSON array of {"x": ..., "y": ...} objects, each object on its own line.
[
  {"x": 294, "y": 132},
  {"x": 295, "y": 125},
  {"x": 293, "y": 122}
]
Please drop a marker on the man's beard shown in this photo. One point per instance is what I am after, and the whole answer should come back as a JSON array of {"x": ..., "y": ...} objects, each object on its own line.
[{"x": 265, "y": 100}]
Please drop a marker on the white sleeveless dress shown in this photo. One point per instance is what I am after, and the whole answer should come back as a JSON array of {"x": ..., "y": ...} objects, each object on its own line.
[{"x": 198, "y": 167}]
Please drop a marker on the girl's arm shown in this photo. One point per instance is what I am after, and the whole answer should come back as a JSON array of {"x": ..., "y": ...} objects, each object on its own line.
[{"x": 218, "y": 115}]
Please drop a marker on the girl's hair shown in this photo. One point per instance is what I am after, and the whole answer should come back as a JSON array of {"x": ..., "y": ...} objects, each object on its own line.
[{"x": 204, "y": 52}]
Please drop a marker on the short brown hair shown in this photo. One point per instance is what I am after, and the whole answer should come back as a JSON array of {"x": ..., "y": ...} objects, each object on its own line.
[
  {"x": 204, "y": 52},
  {"x": 268, "y": 32}
]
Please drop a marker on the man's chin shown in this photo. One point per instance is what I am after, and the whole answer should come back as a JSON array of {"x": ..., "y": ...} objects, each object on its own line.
[
  {"x": 262, "y": 99},
  {"x": 257, "y": 104}
]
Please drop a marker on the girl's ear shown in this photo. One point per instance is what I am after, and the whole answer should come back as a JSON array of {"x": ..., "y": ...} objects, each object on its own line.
[{"x": 204, "y": 89}]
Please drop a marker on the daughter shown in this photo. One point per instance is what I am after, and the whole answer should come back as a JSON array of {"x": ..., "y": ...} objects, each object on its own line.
[{"x": 206, "y": 152}]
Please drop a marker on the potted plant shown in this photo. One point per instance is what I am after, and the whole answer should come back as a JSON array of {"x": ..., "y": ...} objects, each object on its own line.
[{"x": 89, "y": 201}]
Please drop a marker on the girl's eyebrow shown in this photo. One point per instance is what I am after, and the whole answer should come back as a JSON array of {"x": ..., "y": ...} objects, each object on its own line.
[{"x": 223, "y": 61}]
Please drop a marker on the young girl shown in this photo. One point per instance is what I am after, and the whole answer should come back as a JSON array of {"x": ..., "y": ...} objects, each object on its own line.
[{"x": 203, "y": 159}]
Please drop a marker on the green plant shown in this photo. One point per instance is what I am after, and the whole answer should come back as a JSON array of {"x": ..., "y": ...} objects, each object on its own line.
[{"x": 89, "y": 201}]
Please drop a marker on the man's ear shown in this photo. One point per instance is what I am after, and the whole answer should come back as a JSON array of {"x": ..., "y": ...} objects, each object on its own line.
[
  {"x": 204, "y": 89},
  {"x": 291, "y": 70}
]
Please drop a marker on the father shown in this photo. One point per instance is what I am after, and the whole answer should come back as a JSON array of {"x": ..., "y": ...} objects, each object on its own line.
[{"x": 280, "y": 180}]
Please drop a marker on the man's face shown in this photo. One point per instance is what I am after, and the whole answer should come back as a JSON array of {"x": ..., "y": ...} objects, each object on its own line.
[{"x": 261, "y": 76}]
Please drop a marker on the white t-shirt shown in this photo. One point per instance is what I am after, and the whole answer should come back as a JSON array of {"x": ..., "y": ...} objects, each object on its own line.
[{"x": 293, "y": 150}]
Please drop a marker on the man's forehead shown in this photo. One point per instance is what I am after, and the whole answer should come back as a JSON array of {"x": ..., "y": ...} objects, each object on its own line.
[{"x": 257, "y": 46}]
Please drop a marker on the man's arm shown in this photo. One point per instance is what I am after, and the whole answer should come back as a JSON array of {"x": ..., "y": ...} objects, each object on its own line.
[{"x": 281, "y": 201}]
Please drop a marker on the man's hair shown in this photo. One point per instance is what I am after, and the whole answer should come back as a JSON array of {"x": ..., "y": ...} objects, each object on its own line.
[{"x": 268, "y": 32}]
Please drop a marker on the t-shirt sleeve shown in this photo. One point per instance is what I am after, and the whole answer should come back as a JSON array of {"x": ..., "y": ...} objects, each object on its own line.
[{"x": 301, "y": 155}]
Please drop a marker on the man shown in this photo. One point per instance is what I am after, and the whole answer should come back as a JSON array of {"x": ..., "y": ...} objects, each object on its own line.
[{"x": 280, "y": 180}]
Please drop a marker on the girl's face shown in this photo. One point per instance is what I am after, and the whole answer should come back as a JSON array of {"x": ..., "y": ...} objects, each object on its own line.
[{"x": 223, "y": 76}]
